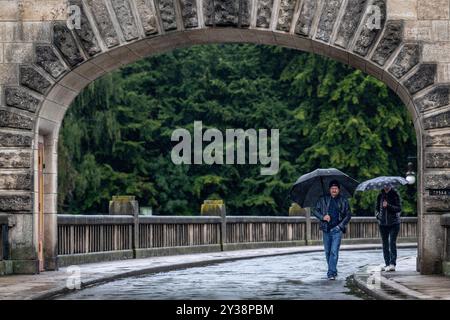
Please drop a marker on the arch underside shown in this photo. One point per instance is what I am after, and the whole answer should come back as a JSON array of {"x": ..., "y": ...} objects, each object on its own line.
[{"x": 118, "y": 32}]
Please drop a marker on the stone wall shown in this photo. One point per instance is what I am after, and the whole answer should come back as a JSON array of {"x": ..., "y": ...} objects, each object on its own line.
[{"x": 44, "y": 65}]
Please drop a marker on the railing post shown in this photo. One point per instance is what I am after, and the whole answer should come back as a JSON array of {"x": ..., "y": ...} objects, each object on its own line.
[
  {"x": 217, "y": 208},
  {"x": 135, "y": 231},
  {"x": 223, "y": 227},
  {"x": 308, "y": 226}
]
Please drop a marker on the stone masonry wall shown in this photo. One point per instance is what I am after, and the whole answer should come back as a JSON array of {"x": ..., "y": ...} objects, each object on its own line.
[{"x": 44, "y": 65}]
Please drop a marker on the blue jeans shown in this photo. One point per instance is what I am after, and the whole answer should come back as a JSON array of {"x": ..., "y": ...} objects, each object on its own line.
[
  {"x": 331, "y": 243},
  {"x": 389, "y": 238}
]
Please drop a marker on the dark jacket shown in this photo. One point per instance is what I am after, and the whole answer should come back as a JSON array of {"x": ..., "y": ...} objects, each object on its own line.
[
  {"x": 321, "y": 210},
  {"x": 391, "y": 214}
]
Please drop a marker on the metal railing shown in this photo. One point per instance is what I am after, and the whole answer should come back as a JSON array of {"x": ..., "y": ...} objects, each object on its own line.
[
  {"x": 91, "y": 234},
  {"x": 160, "y": 232},
  {"x": 245, "y": 229}
]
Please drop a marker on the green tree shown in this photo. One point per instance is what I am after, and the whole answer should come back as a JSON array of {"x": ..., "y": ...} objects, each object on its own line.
[{"x": 115, "y": 138}]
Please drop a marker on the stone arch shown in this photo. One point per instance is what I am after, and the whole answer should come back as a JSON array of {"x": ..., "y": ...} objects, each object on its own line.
[{"x": 114, "y": 33}]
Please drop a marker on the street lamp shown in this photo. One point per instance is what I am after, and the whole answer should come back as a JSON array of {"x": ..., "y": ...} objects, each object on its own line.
[{"x": 410, "y": 174}]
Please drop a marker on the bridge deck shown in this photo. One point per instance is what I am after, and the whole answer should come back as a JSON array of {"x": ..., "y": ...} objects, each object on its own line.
[{"x": 50, "y": 283}]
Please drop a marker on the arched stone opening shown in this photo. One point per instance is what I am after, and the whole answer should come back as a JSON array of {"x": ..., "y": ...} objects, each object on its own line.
[{"x": 116, "y": 33}]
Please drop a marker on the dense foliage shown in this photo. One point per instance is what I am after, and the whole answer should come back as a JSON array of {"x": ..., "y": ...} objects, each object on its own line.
[{"x": 115, "y": 139}]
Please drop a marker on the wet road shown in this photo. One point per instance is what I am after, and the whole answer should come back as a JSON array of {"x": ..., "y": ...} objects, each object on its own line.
[{"x": 296, "y": 276}]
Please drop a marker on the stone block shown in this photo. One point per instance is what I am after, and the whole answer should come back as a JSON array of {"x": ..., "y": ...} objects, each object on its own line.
[
  {"x": 104, "y": 23},
  {"x": 436, "y": 52},
  {"x": 443, "y": 73},
  {"x": 74, "y": 81},
  {"x": 33, "y": 80},
  {"x": 62, "y": 95},
  {"x": 86, "y": 34},
  {"x": 418, "y": 30},
  {"x": 147, "y": 16},
  {"x": 433, "y": 10},
  {"x": 189, "y": 13},
  {"x": 245, "y": 11},
  {"x": 49, "y": 61},
  {"x": 437, "y": 160},
  {"x": 123, "y": 205},
  {"x": 431, "y": 244},
  {"x": 350, "y": 21},
  {"x": 440, "y": 30},
  {"x": 328, "y": 18},
  {"x": 221, "y": 12},
  {"x": 402, "y": 9},
  {"x": 437, "y": 181},
  {"x": 125, "y": 17},
  {"x": 390, "y": 41},
  {"x": 437, "y": 140},
  {"x": 18, "y": 52},
  {"x": 90, "y": 71},
  {"x": 52, "y": 111},
  {"x": 367, "y": 37},
  {"x": 424, "y": 76},
  {"x": 437, "y": 203},
  {"x": 10, "y": 139},
  {"x": 440, "y": 120},
  {"x": 44, "y": 10},
  {"x": 25, "y": 32},
  {"x": 408, "y": 57},
  {"x": 63, "y": 39},
  {"x": 168, "y": 15},
  {"x": 9, "y": 11},
  {"x": 25, "y": 266},
  {"x": 437, "y": 97},
  {"x": 264, "y": 13},
  {"x": 285, "y": 15},
  {"x": 37, "y": 32},
  {"x": 15, "y": 181},
  {"x": 15, "y": 159},
  {"x": 124, "y": 55},
  {"x": 446, "y": 268},
  {"x": 11, "y": 203},
  {"x": 15, "y": 120},
  {"x": 8, "y": 74},
  {"x": 20, "y": 98}
]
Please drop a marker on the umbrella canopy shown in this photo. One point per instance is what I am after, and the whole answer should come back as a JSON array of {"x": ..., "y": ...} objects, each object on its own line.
[
  {"x": 381, "y": 182},
  {"x": 311, "y": 186}
]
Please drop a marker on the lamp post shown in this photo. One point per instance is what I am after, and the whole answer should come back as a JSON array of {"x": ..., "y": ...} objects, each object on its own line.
[{"x": 410, "y": 174}]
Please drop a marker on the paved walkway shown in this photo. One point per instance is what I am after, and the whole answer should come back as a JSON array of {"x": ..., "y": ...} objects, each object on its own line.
[
  {"x": 404, "y": 283},
  {"x": 48, "y": 284}
]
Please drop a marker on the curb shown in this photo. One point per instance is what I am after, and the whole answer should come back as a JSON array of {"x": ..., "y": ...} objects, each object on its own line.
[{"x": 400, "y": 292}]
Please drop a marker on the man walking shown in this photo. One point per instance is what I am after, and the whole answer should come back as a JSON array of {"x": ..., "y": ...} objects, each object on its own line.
[
  {"x": 333, "y": 212},
  {"x": 388, "y": 210}
]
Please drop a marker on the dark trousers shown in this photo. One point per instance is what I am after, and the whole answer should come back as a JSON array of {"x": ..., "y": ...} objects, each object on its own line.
[{"x": 389, "y": 237}]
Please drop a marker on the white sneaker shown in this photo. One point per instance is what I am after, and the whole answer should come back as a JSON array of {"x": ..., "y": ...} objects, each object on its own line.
[
  {"x": 385, "y": 268},
  {"x": 391, "y": 268}
]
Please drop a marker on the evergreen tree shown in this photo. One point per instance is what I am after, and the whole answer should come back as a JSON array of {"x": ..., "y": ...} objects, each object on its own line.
[{"x": 115, "y": 138}]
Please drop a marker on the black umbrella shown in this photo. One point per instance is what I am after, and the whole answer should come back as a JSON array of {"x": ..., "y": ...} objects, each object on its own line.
[
  {"x": 311, "y": 186},
  {"x": 380, "y": 182}
]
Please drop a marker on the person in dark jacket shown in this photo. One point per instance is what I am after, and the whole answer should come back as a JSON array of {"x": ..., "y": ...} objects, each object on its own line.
[
  {"x": 388, "y": 210},
  {"x": 333, "y": 212}
]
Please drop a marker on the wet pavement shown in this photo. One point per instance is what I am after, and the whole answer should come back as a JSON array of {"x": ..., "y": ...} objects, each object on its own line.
[{"x": 294, "y": 276}]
